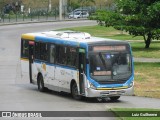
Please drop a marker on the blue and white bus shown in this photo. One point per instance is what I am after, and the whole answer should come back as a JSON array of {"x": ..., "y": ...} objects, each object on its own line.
[{"x": 77, "y": 63}]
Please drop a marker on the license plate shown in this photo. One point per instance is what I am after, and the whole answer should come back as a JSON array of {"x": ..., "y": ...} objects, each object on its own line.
[{"x": 113, "y": 92}]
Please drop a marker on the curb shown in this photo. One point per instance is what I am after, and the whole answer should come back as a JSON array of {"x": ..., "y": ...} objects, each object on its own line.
[
  {"x": 45, "y": 21},
  {"x": 147, "y": 60}
]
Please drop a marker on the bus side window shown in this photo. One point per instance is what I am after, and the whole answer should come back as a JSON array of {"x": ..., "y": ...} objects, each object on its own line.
[
  {"x": 41, "y": 51},
  {"x": 58, "y": 54},
  {"x": 52, "y": 53},
  {"x": 37, "y": 50},
  {"x": 44, "y": 51},
  {"x": 66, "y": 55},
  {"x": 61, "y": 55},
  {"x": 25, "y": 49},
  {"x": 71, "y": 56}
]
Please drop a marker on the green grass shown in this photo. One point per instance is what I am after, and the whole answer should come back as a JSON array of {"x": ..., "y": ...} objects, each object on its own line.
[
  {"x": 106, "y": 32},
  {"x": 147, "y": 76},
  {"x": 125, "y": 37},
  {"x": 110, "y": 32},
  {"x": 140, "y": 51},
  {"x": 128, "y": 113}
]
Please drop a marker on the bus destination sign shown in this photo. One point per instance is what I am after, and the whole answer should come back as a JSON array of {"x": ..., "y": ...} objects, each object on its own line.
[{"x": 109, "y": 48}]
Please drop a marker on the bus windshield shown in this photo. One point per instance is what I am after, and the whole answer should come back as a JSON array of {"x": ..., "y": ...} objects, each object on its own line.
[{"x": 110, "y": 66}]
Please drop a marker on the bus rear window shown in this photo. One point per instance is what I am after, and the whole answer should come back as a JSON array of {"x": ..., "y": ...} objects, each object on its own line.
[{"x": 25, "y": 49}]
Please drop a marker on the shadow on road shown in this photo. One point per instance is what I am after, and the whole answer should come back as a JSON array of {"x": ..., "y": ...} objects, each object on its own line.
[{"x": 64, "y": 95}]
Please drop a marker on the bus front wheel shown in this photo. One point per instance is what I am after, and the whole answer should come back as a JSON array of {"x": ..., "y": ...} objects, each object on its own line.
[
  {"x": 74, "y": 92},
  {"x": 40, "y": 82},
  {"x": 114, "y": 98}
]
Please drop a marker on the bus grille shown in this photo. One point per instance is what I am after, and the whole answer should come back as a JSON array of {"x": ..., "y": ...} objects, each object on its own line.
[{"x": 112, "y": 82}]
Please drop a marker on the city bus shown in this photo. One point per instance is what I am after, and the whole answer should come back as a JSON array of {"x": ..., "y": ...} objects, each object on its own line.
[{"x": 78, "y": 63}]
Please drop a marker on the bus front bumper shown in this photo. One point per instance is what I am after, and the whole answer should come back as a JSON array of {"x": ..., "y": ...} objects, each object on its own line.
[{"x": 109, "y": 93}]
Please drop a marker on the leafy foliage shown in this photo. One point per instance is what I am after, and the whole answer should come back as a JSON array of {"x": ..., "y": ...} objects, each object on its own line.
[{"x": 137, "y": 17}]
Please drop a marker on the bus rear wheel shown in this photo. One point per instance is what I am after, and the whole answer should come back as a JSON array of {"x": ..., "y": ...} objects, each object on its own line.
[
  {"x": 40, "y": 82},
  {"x": 74, "y": 92},
  {"x": 114, "y": 98}
]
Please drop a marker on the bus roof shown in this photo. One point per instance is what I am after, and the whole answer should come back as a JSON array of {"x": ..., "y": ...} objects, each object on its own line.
[{"x": 69, "y": 38}]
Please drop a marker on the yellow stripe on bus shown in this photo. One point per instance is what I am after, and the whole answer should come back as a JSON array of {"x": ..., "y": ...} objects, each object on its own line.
[
  {"x": 125, "y": 87},
  {"x": 28, "y": 37},
  {"x": 25, "y": 59}
]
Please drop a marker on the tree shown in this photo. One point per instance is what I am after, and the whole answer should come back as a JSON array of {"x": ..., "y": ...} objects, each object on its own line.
[{"x": 137, "y": 17}]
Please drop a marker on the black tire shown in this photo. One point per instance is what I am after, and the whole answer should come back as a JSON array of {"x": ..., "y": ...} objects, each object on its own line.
[
  {"x": 99, "y": 99},
  {"x": 102, "y": 99},
  {"x": 114, "y": 98},
  {"x": 40, "y": 82},
  {"x": 74, "y": 92}
]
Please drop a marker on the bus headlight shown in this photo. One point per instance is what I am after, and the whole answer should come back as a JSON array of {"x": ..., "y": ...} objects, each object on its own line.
[
  {"x": 92, "y": 86},
  {"x": 131, "y": 84}
]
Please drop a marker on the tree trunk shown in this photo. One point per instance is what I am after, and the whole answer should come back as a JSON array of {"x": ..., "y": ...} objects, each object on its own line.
[{"x": 148, "y": 40}]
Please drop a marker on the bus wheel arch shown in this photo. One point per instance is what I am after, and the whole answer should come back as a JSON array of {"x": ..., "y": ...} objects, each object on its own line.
[{"x": 74, "y": 90}]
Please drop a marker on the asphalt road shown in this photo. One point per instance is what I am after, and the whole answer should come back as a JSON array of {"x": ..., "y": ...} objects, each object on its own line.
[{"x": 18, "y": 95}]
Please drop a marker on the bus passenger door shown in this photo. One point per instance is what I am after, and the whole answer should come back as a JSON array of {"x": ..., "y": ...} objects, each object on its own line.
[
  {"x": 31, "y": 51},
  {"x": 82, "y": 70}
]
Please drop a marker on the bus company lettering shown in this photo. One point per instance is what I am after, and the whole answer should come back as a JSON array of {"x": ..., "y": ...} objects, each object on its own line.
[{"x": 15, "y": 114}]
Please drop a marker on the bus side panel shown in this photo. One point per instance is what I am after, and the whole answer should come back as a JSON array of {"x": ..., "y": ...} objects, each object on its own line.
[
  {"x": 47, "y": 72},
  {"x": 60, "y": 75},
  {"x": 64, "y": 76},
  {"x": 34, "y": 72},
  {"x": 50, "y": 77},
  {"x": 70, "y": 75},
  {"x": 39, "y": 67},
  {"x": 25, "y": 69}
]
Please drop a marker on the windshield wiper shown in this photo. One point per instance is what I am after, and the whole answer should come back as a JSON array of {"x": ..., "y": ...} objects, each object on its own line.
[
  {"x": 104, "y": 64},
  {"x": 103, "y": 61}
]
